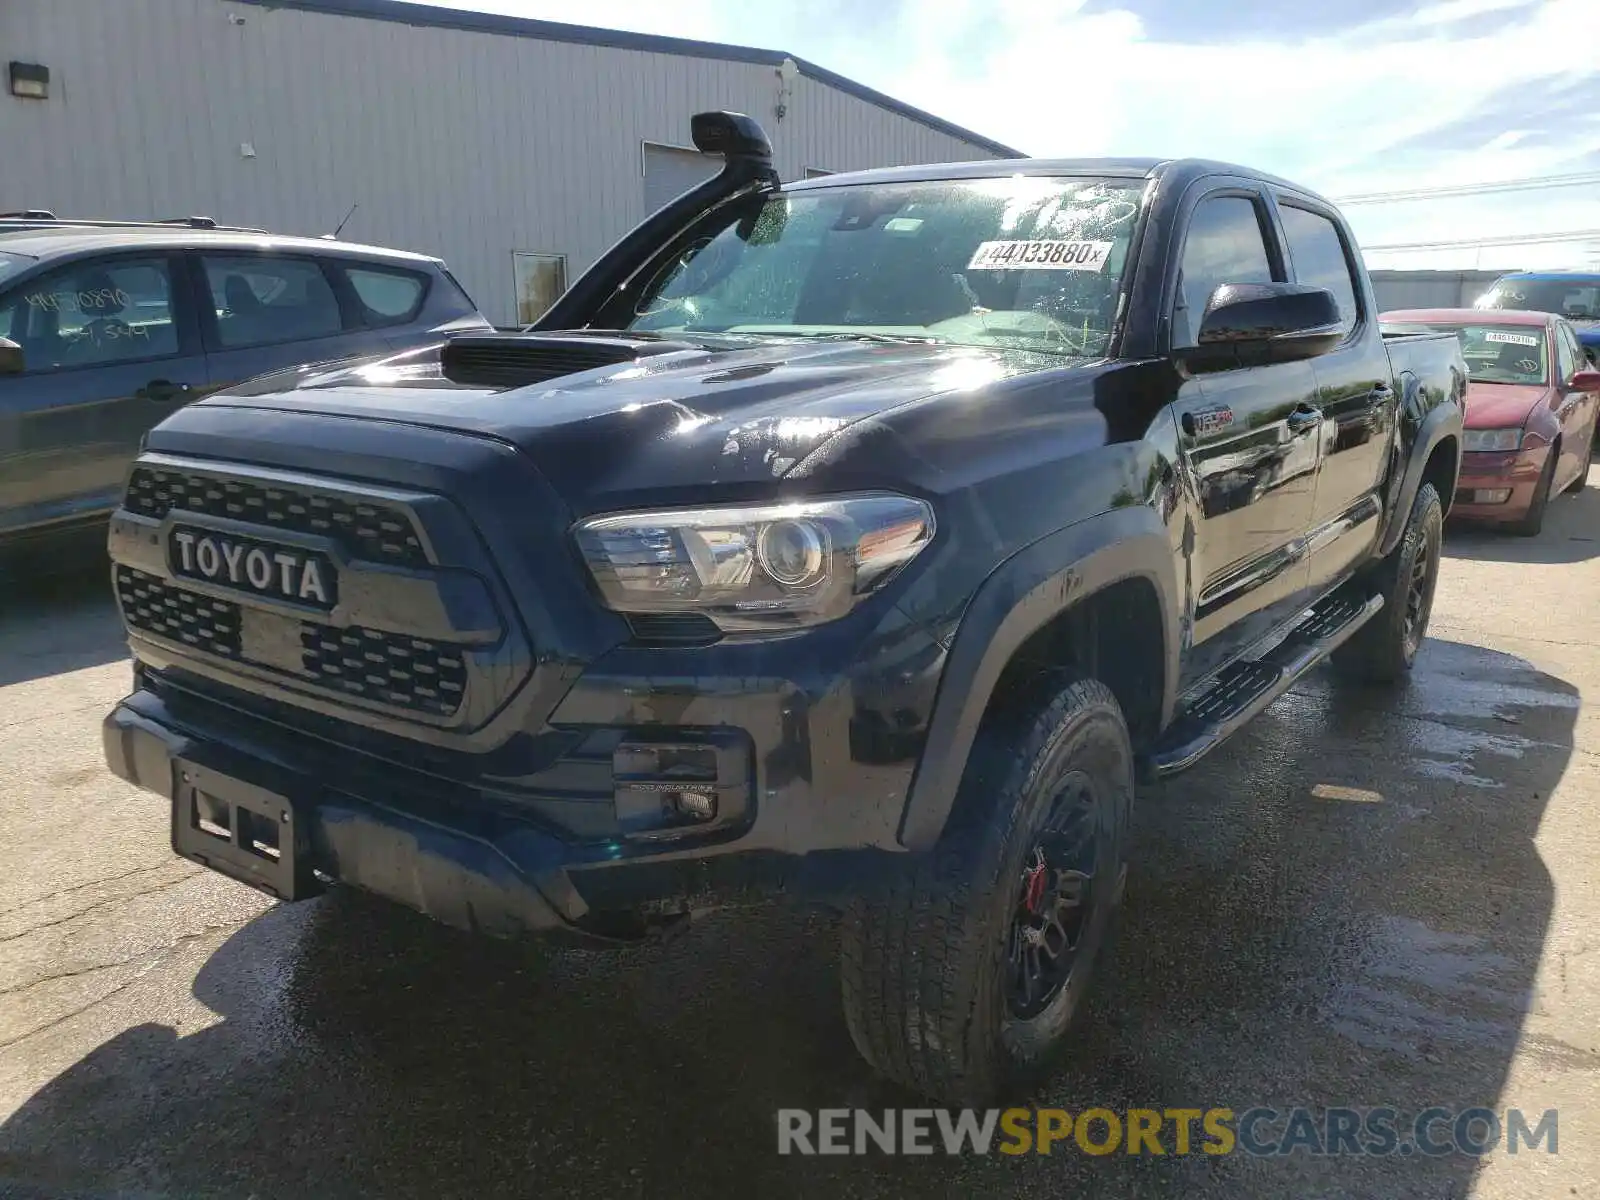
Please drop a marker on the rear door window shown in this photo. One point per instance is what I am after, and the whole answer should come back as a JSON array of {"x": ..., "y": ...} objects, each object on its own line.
[
  {"x": 93, "y": 313},
  {"x": 260, "y": 300},
  {"x": 387, "y": 296}
]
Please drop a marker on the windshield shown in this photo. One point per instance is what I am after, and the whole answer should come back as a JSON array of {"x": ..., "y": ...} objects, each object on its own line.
[
  {"x": 1023, "y": 262},
  {"x": 1498, "y": 354},
  {"x": 1577, "y": 299},
  {"x": 10, "y": 264}
]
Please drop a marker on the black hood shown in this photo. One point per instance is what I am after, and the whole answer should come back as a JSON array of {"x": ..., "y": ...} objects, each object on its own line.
[{"x": 740, "y": 414}]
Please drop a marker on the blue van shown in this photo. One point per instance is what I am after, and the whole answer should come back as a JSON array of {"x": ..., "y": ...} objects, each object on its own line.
[
  {"x": 1574, "y": 295},
  {"x": 106, "y": 327}
]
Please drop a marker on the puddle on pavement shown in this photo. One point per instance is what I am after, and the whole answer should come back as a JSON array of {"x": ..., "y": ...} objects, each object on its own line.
[
  {"x": 1451, "y": 753},
  {"x": 1464, "y": 756},
  {"x": 1414, "y": 987}
]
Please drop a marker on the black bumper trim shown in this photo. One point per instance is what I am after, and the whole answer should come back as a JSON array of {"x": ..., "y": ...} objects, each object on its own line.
[{"x": 450, "y": 875}]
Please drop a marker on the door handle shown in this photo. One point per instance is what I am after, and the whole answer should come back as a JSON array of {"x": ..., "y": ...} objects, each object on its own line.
[
  {"x": 1381, "y": 394},
  {"x": 163, "y": 391},
  {"x": 1303, "y": 418}
]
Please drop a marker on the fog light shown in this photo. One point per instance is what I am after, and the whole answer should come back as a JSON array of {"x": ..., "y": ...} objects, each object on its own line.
[
  {"x": 668, "y": 788},
  {"x": 697, "y": 806},
  {"x": 1491, "y": 495}
]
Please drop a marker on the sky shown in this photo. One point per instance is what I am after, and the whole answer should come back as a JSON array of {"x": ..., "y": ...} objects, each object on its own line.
[{"x": 1346, "y": 96}]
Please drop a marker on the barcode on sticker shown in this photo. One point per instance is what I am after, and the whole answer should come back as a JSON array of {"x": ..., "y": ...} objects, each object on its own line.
[
  {"x": 1513, "y": 339},
  {"x": 1046, "y": 255}
]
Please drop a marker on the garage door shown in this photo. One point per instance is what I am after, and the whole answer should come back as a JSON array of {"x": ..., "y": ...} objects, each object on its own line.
[{"x": 668, "y": 173}]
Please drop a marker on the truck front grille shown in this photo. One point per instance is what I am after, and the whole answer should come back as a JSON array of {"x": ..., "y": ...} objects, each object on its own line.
[
  {"x": 366, "y": 530},
  {"x": 390, "y": 668},
  {"x": 154, "y": 607}
]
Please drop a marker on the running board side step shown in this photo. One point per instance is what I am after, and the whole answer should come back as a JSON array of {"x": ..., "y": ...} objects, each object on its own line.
[{"x": 1240, "y": 691}]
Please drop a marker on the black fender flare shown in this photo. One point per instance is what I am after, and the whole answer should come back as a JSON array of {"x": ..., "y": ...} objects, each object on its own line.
[
  {"x": 1442, "y": 421},
  {"x": 1025, "y": 592}
]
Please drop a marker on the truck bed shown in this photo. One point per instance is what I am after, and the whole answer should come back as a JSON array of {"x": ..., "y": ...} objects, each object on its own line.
[{"x": 1434, "y": 359}]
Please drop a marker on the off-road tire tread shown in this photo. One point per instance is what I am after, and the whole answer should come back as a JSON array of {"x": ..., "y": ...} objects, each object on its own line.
[
  {"x": 1376, "y": 653},
  {"x": 907, "y": 948}
]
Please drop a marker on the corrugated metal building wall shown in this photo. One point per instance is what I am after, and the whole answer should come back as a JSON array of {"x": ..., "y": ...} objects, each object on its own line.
[
  {"x": 457, "y": 134},
  {"x": 1430, "y": 289}
]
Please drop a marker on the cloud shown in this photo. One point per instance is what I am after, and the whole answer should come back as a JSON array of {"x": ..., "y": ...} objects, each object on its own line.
[{"x": 1351, "y": 97}]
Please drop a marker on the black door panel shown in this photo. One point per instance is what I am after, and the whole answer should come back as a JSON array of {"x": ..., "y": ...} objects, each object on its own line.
[
  {"x": 1251, "y": 443},
  {"x": 1354, "y": 394},
  {"x": 1251, "y": 440}
]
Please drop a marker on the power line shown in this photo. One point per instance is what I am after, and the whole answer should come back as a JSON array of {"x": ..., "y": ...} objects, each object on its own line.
[
  {"x": 1513, "y": 239},
  {"x": 1488, "y": 188}
]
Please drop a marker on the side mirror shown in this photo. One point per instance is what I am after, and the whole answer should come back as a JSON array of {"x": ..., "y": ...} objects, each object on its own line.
[
  {"x": 1586, "y": 380},
  {"x": 11, "y": 360},
  {"x": 1252, "y": 324}
]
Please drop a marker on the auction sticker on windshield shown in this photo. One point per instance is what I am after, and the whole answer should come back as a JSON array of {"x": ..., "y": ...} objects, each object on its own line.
[
  {"x": 1045, "y": 255},
  {"x": 1513, "y": 339}
]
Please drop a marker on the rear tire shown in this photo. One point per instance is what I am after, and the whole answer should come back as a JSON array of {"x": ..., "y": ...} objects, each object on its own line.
[
  {"x": 963, "y": 980},
  {"x": 1531, "y": 524},
  {"x": 1385, "y": 648}
]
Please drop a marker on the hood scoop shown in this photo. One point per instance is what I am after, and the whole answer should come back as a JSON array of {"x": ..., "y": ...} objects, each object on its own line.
[{"x": 512, "y": 360}]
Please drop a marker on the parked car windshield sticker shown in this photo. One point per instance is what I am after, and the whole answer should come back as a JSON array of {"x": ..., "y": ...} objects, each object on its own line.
[
  {"x": 1040, "y": 255},
  {"x": 99, "y": 298},
  {"x": 1514, "y": 339}
]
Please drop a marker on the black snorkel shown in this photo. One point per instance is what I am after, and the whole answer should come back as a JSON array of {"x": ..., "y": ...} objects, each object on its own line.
[{"x": 747, "y": 168}]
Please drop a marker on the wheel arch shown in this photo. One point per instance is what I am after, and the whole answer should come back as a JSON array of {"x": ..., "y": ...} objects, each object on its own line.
[
  {"x": 1434, "y": 457},
  {"x": 1067, "y": 596}
]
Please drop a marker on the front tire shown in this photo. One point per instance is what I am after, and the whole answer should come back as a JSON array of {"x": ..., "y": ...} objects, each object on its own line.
[
  {"x": 1533, "y": 522},
  {"x": 963, "y": 981},
  {"x": 1385, "y": 648}
]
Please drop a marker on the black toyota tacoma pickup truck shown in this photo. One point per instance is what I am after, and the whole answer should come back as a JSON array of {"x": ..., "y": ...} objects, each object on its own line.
[{"x": 861, "y": 540}]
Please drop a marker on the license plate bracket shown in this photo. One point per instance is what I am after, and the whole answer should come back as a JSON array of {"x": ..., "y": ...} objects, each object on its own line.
[{"x": 242, "y": 831}]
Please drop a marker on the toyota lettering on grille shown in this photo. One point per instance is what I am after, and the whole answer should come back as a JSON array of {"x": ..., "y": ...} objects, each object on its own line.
[{"x": 258, "y": 568}]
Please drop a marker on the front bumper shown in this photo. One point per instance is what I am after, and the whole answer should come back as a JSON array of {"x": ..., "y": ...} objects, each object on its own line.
[
  {"x": 1514, "y": 473},
  {"x": 802, "y": 816},
  {"x": 506, "y": 809}
]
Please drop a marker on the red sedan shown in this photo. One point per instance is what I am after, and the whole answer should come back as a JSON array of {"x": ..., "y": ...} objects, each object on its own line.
[{"x": 1531, "y": 408}]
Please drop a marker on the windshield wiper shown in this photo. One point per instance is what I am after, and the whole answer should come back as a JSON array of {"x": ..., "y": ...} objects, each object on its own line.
[
  {"x": 915, "y": 339},
  {"x": 865, "y": 335}
]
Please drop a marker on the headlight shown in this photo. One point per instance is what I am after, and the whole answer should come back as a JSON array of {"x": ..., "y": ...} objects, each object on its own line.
[
  {"x": 1492, "y": 439},
  {"x": 769, "y": 567}
]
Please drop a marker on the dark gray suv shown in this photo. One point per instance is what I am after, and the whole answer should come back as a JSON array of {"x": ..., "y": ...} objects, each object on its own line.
[{"x": 106, "y": 328}]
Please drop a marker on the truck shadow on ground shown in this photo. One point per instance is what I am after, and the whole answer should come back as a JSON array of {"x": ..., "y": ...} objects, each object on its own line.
[
  {"x": 57, "y": 613},
  {"x": 1344, "y": 907}
]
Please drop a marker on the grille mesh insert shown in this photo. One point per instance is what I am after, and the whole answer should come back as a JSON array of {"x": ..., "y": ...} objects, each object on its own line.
[
  {"x": 157, "y": 608},
  {"x": 371, "y": 531},
  {"x": 389, "y": 668},
  {"x": 392, "y": 669}
]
